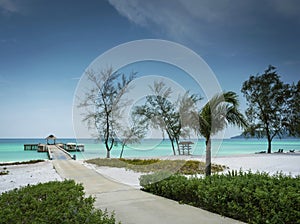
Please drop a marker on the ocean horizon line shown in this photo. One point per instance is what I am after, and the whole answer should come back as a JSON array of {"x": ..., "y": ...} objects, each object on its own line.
[{"x": 164, "y": 139}]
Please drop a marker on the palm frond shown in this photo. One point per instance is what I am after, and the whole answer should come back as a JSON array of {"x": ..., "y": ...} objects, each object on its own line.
[{"x": 219, "y": 112}]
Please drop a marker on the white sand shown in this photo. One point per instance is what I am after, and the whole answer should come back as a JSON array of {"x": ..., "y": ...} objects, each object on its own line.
[
  {"x": 22, "y": 175},
  {"x": 120, "y": 175},
  {"x": 285, "y": 163},
  {"x": 288, "y": 164}
]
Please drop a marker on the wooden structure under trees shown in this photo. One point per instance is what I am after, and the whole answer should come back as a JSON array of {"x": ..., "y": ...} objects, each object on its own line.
[{"x": 185, "y": 147}]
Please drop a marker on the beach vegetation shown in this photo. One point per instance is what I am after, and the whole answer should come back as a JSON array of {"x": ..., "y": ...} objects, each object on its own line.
[
  {"x": 132, "y": 134},
  {"x": 186, "y": 167},
  {"x": 249, "y": 197},
  {"x": 219, "y": 112},
  {"x": 104, "y": 104},
  {"x": 270, "y": 106},
  {"x": 52, "y": 202},
  {"x": 165, "y": 115},
  {"x": 4, "y": 172},
  {"x": 22, "y": 162},
  {"x": 294, "y": 106}
]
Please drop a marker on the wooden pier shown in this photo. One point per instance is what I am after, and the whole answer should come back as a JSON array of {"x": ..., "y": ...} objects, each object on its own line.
[
  {"x": 31, "y": 146},
  {"x": 72, "y": 147},
  {"x": 55, "y": 150},
  {"x": 58, "y": 153}
]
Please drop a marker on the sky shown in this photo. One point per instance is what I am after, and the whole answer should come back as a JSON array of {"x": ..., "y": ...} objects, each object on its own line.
[{"x": 46, "y": 45}]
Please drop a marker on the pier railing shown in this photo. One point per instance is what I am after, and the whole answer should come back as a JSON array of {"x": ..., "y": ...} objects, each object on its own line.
[{"x": 53, "y": 151}]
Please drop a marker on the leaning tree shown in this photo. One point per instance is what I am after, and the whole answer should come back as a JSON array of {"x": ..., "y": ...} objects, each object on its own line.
[
  {"x": 105, "y": 99},
  {"x": 268, "y": 105},
  {"x": 132, "y": 133}
]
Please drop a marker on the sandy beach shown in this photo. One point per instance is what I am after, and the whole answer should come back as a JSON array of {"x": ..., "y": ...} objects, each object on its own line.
[
  {"x": 22, "y": 175},
  {"x": 288, "y": 164}
]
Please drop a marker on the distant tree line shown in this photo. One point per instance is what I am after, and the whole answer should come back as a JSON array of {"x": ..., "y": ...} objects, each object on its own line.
[{"x": 273, "y": 108}]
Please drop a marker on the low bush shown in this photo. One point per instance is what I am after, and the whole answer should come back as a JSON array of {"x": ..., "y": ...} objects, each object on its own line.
[
  {"x": 187, "y": 167},
  {"x": 52, "y": 202},
  {"x": 23, "y": 162},
  {"x": 4, "y": 172},
  {"x": 249, "y": 197}
]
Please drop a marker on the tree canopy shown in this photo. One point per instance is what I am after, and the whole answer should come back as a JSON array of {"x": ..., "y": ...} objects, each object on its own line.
[
  {"x": 268, "y": 105},
  {"x": 219, "y": 112},
  {"x": 294, "y": 106},
  {"x": 107, "y": 103},
  {"x": 168, "y": 116}
]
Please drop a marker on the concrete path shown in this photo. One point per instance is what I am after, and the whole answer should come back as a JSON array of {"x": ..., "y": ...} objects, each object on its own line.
[
  {"x": 59, "y": 154},
  {"x": 132, "y": 205}
]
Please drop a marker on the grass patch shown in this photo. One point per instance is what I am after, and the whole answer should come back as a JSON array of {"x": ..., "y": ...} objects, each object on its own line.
[
  {"x": 249, "y": 197},
  {"x": 4, "y": 172},
  {"x": 52, "y": 202},
  {"x": 20, "y": 163},
  {"x": 188, "y": 167}
]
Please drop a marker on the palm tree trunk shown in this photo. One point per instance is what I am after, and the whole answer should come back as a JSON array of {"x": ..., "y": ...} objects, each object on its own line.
[{"x": 208, "y": 157}]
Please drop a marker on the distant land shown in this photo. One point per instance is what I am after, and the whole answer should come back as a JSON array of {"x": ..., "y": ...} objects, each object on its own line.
[{"x": 285, "y": 136}]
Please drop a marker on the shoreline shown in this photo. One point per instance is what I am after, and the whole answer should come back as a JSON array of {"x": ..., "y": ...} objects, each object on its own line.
[
  {"x": 11, "y": 150},
  {"x": 172, "y": 157}
]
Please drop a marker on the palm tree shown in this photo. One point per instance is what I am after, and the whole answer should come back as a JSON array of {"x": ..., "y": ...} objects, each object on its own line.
[{"x": 218, "y": 113}]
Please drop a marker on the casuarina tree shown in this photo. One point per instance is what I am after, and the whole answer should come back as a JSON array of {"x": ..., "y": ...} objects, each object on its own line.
[
  {"x": 107, "y": 103},
  {"x": 161, "y": 113},
  {"x": 268, "y": 105},
  {"x": 294, "y": 107}
]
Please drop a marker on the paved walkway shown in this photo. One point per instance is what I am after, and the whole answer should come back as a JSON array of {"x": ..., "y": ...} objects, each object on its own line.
[
  {"x": 58, "y": 154},
  {"x": 132, "y": 205}
]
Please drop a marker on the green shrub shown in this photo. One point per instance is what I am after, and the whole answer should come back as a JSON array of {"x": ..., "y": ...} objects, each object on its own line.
[
  {"x": 252, "y": 198},
  {"x": 4, "y": 172},
  {"x": 52, "y": 202},
  {"x": 167, "y": 185}
]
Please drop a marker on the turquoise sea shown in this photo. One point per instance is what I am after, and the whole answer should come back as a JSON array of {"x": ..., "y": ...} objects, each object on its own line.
[{"x": 13, "y": 149}]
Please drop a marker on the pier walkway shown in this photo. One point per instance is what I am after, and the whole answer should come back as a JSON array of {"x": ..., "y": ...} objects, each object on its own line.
[
  {"x": 58, "y": 153},
  {"x": 131, "y": 205}
]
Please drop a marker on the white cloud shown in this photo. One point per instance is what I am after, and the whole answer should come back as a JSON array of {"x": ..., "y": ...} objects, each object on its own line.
[
  {"x": 183, "y": 20},
  {"x": 75, "y": 78},
  {"x": 160, "y": 16},
  {"x": 188, "y": 20},
  {"x": 131, "y": 10},
  {"x": 292, "y": 62},
  {"x": 287, "y": 8},
  {"x": 9, "y": 6}
]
